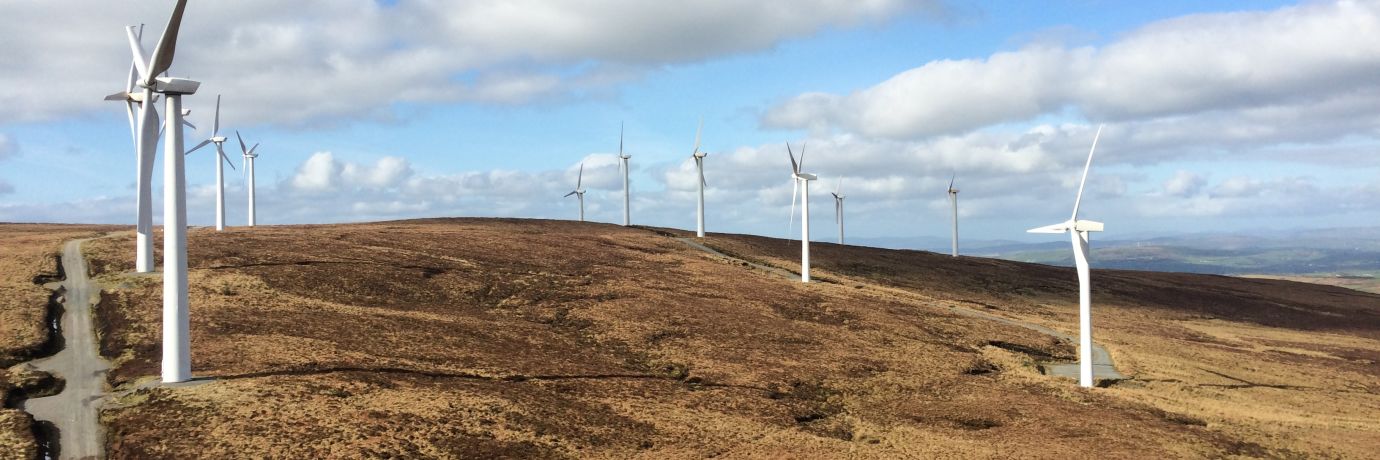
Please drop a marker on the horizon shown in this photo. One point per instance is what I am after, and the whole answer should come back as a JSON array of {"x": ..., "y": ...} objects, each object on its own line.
[{"x": 1232, "y": 134}]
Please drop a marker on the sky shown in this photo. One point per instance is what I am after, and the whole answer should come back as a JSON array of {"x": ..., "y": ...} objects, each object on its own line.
[{"x": 1219, "y": 116}]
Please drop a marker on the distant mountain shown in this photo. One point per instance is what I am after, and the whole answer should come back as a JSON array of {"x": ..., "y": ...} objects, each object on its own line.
[{"x": 1351, "y": 251}]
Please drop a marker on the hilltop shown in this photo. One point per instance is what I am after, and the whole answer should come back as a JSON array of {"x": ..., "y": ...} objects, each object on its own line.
[{"x": 529, "y": 338}]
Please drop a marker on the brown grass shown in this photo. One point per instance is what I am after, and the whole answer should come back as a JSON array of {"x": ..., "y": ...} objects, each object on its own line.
[
  {"x": 519, "y": 338},
  {"x": 1288, "y": 366}
]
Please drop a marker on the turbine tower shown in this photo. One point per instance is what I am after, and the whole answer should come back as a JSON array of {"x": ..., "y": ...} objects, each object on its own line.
[
  {"x": 247, "y": 159},
  {"x": 699, "y": 166},
  {"x": 953, "y": 200},
  {"x": 623, "y": 164},
  {"x": 801, "y": 183},
  {"x": 219, "y": 140},
  {"x": 177, "y": 363},
  {"x": 1078, "y": 231},
  {"x": 579, "y": 192},
  {"x": 838, "y": 206},
  {"x": 144, "y": 128}
]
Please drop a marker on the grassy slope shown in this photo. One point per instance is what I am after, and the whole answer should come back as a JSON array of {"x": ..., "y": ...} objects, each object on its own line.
[
  {"x": 28, "y": 258},
  {"x": 1290, "y": 366},
  {"x": 487, "y": 337}
]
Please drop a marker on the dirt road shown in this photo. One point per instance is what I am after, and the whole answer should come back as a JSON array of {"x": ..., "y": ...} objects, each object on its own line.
[{"x": 75, "y": 411}]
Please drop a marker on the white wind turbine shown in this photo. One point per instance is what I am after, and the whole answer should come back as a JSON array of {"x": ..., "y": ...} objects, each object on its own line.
[
  {"x": 247, "y": 159},
  {"x": 953, "y": 200},
  {"x": 177, "y": 362},
  {"x": 1078, "y": 231},
  {"x": 838, "y": 204},
  {"x": 219, "y": 140},
  {"x": 801, "y": 183},
  {"x": 699, "y": 166},
  {"x": 144, "y": 128},
  {"x": 579, "y": 192},
  {"x": 623, "y": 164}
]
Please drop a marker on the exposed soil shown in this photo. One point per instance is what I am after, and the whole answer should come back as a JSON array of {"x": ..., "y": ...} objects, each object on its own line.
[{"x": 524, "y": 338}]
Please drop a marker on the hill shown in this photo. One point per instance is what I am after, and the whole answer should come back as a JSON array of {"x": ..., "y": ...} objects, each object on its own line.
[
  {"x": 523, "y": 338},
  {"x": 1342, "y": 251}
]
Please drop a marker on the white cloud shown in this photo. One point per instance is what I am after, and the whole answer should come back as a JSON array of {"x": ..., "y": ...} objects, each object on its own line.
[
  {"x": 1247, "y": 187},
  {"x": 1276, "y": 64},
  {"x": 1184, "y": 184},
  {"x": 340, "y": 59},
  {"x": 323, "y": 173},
  {"x": 8, "y": 147},
  {"x": 320, "y": 173}
]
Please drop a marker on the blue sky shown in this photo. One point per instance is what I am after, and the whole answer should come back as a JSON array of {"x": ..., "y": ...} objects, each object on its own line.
[{"x": 1222, "y": 116}]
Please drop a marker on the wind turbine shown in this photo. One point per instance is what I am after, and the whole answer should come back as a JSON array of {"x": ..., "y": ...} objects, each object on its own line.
[
  {"x": 699, "y": 166},
  {"x": 838, "y": 204},
  {"x": 177, "y": 362},
  {"x": 953, "y": 200},
  {"x": 801, "y": 183},
  {"x": 579, "y": 192},
  {"x": 220, "y": 171},
  {"x": 248, "y": 160},
  {"x": 623, "y": 164},
  {"x": 1078, "y": 231},
  {"x": 144, "y": 128}
]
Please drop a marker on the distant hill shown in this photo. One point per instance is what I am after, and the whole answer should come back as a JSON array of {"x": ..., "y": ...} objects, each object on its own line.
[{"x": 1343, "y": 251}]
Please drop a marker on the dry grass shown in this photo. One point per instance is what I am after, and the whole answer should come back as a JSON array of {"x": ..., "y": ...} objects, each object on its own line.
[
  {"x": 28, "y": 259},
  {"x": 518, "y": 338},
  {"x": 1359, "y": 283},
  {"x": 1288, "y": 366}
]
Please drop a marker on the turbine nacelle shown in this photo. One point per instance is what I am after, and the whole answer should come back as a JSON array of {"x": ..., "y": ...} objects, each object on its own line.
[
  {"x": 168, "y": 85},
  {"x": 805, "y": 176},
  {"x": 1077, "y": 226}
]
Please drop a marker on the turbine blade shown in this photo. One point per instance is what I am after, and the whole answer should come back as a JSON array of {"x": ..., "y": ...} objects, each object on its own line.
[
  {"x": 133, "y": 65},
  {"x": 188, "y": 123},
  {"x": 697, "y": 135},
  {"x": 580, "y": 179},
  {"x": 620, "y": 139},
  {"x": 140, "y": 61},
  {"x": 242, "y": 147},
  {"x": 802, "y": 155},
  {"x": 163, "y": 53},
  {"x": 795, "y": 167},
  {"x": 198, "y": 146},
  {"x": 1056, "y": 228},
  {"x": 568, "y": 194},
  {"x": 795, "y": 189},
  {"x": 951, "y": 182},
  {"x": 252, "y": 149},
  {"x": 133, "y": 131},
  {"x": 221, "y": 151},
  {"x": 215, "y": 125},
  {"x": 1079, "y": 200}
]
